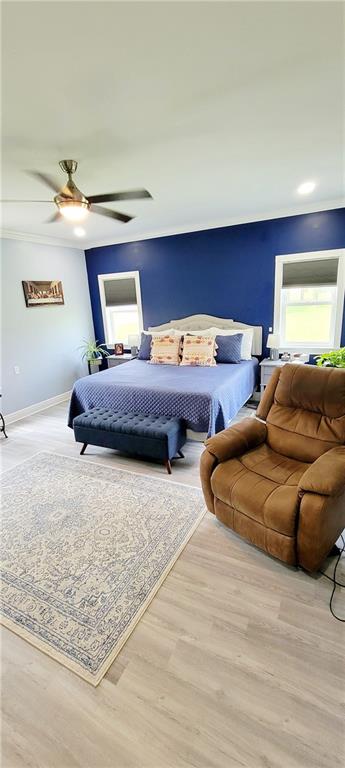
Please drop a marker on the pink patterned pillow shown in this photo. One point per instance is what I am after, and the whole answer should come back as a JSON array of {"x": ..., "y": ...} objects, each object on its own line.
[
  {"x": 199, "y": 350},
  {"x": 165, "y": 350}
]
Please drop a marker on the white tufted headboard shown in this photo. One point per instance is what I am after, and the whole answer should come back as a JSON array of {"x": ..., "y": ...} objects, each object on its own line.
[{"x": 202, "y": 322}]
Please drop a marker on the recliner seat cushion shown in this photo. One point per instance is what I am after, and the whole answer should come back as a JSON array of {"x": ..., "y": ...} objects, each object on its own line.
[
  {"x": 274, "y": 466},
  {"x": 263, "y": 485}
]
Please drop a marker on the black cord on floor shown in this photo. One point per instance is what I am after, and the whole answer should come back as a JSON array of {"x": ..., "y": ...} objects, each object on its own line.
[{"x": 334, "y": 581}]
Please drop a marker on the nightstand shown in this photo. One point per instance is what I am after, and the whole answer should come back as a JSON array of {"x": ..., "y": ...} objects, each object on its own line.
[
  {"x": 113, "y": 360},
  {"x": 267, "y": 367}
]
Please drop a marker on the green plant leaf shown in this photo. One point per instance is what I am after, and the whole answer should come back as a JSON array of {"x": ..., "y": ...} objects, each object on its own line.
[
  {"x": 334, "y": 359},
  {"x": 92, "y": 350}
]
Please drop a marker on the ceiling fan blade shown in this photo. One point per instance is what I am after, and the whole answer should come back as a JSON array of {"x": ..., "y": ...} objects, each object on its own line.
[
  {"x": 55, "y": 217},
  {"x": 51, "y": 183},
  {"x": 47, "y": 180},
  {"x": 132, "y": 194},
  {"x": 111, "y": 214}
]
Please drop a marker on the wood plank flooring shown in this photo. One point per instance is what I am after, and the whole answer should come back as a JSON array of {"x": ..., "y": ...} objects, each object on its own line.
[{"x": 236, "y": 663}]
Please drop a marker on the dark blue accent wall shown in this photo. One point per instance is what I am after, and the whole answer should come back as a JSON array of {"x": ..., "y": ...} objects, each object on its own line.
[{"x": 227, "y": 272}]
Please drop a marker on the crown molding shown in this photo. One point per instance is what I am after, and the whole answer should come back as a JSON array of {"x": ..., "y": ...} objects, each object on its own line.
[
  {"x": 29, "y": 237},
  {"x": 169, "y": 231},
  {"x": 229, "y": 222}
]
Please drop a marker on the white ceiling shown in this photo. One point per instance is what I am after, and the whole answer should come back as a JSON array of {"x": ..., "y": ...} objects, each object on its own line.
[{"x": 219, "y": 109}]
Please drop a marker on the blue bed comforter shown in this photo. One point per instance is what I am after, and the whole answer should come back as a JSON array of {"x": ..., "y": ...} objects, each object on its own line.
[{"x": 207, "y": 398}]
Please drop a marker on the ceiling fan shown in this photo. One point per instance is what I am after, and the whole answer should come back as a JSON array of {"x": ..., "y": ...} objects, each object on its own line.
[{"x": 73, "y": 205}]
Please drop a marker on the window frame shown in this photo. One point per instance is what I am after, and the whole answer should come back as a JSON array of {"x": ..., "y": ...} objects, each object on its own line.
[
  {"x": 282, "y": 259},
  {"x": 118, "y": 276}
]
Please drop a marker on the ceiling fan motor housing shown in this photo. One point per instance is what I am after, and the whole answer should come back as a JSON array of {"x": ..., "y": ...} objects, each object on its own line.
[
  {"x": 68, "y": 166},
  {"x": 70, "y": 196}
]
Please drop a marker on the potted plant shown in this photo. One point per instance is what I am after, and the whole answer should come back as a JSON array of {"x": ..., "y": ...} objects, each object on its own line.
[
  {"x": 93, "y": 353},
  {"x": 334, "y": 359}
]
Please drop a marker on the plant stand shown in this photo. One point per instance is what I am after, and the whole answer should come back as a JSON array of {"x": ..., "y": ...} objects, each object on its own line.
[{"x": 94, "y": 364}]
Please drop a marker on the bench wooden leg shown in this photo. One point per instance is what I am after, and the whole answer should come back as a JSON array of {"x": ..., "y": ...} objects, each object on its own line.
[
  {"x": 168, "y": 466},
  {"x": 83, "y": 449}
]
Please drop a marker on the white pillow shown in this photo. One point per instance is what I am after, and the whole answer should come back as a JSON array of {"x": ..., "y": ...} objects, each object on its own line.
[
  {"x": 207, "y": 332},
  {"x": 168, "y": 332},
  {"x": 247, "y": 340}
]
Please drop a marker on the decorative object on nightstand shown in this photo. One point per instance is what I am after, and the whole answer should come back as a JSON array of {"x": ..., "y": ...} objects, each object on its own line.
[
  {"x": 2, "y": 423},
  {"x": 118, "y": 349},
  {"x": 133, "y": 343},
  {"x": 113, "y": 360},
  {"x": 267, "y": 367},
  {"x": 272, "y": 343},
  {"x": 93, "y": 353}
]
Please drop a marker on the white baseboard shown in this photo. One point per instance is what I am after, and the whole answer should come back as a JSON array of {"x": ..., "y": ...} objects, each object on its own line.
[{"x": 36, "y": 407}]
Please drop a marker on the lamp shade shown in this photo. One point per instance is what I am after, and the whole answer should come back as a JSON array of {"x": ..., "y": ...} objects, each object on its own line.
[{"x": 273, "y": 341}]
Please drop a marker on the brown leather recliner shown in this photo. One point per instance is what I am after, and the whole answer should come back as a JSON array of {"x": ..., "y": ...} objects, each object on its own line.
[{"x": 280, "y": 482}]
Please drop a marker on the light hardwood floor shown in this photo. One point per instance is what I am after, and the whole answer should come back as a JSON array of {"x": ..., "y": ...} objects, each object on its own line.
[{"x": 237, "y": 661}]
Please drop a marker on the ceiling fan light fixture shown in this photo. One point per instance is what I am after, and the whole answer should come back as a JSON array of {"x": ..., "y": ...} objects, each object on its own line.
[{"x": 73, "y": 210}]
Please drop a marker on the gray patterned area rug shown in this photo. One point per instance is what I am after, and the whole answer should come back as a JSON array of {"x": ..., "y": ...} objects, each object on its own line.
[{"x": 84, "y": 550}]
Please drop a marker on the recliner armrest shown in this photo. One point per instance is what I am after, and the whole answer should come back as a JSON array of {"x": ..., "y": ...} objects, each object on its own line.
[
  {"x": 326, "y": 475},
  {"x": 237, "y": 439}
]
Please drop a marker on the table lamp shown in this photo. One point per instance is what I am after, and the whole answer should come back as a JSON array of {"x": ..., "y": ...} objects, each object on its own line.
[
  {"x": 133, "y": 343},
  {"x": 273, "y": 342}
]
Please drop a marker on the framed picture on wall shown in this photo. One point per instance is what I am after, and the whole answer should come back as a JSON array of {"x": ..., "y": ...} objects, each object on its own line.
[{"x": 39, "y": 292}]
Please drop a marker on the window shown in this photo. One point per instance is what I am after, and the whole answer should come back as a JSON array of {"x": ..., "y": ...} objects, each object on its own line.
[
  {"x": 121, "y": 307},
  {"x": 122, "y": 322},
  {"x": 309, "y": 300}
]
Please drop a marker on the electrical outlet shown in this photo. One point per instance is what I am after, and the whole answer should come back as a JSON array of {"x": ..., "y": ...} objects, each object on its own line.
[{"x": 16, "y": 369}]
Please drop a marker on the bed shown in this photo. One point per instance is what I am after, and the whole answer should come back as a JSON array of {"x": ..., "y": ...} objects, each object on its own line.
[{"x": 206, "y": 398}]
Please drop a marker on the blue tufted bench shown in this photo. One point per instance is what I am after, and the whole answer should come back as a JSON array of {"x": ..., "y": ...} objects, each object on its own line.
[{"x": 156, "y": 437}]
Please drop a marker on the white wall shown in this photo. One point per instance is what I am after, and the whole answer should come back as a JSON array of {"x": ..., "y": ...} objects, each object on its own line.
[{"x": 43, "y": 341}]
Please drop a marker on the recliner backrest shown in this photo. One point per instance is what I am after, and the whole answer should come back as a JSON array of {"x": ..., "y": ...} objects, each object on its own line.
[{"x": 306, "y": 416}]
